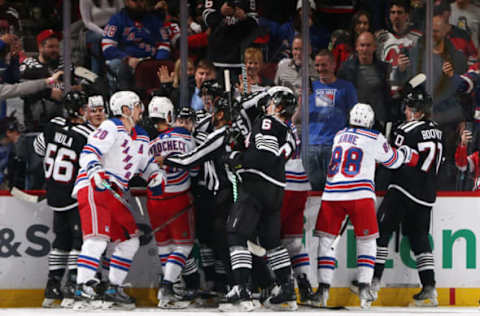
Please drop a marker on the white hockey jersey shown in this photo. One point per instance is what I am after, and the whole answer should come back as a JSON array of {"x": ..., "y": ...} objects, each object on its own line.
[
  {"x": 121, "y": 155},
  {"x": 351, "y": 171},
  {"x": 295, "y": 175},
  {"x": 392, "y": 47},
  {"x": 177, "y": 140}
]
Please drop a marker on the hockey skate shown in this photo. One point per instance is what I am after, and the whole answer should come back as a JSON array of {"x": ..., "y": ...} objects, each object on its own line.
[
  {"x": 86, "y": 297},
  {"x": 427, "y": 297},
  {"x": 116, "y": 298},
  {"x": 365, "y": 295},
  {"x": 283, "y": 297},
  {"x": 238, "y": 299},
  {"x": 68, "y": 294},
  {"x": 354, "y": 287},
  {"x": 375, "y": 288},
  {"x": 167, "y": 299},
  {"x": 53, "y": 293},
  {"x": 304, "y": 289},
  {"x": 320, "y": 297}
]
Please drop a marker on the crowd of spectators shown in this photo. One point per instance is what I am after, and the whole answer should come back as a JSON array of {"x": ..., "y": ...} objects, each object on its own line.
[{"x": 360, "y": 51}]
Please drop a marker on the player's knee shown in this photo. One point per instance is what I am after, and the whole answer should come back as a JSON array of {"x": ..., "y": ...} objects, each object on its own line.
[
  {"x": 185, "y": 250},
  {"x": 94, "y": 246},
  {"x": 62, "y": 242},
  {"x": 293, "y": 245},
  {"x": 419, "y": 243},
  {"x": 366, "y": 246},
  {"x": 128, "y": 248},
  {"x": 235, "y": 239}
]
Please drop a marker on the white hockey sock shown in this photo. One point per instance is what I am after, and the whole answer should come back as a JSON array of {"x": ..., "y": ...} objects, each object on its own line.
[
  {"x": 298, "y": 255},
  {"x": 175, "y": 262},
  {"x": 326, "y": 259},
  {"x": 207, "y": 256},
  {"x": 89, "y": 258},
  {"x": 163, "y": 253},
  {"x": 366, "y": 251},
  {"x": 122, "y": 260}
]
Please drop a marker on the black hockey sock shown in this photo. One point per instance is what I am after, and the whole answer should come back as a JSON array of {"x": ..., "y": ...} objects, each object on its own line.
[
  {"x": 279, "y": 261},
  {"x": 192, "y": 281},
  {"x": 427, "y": 277},
  {"x": 261, "y": 273},
  {"x": 241, "y": 260},
  {"x": 56, "y": 274}
]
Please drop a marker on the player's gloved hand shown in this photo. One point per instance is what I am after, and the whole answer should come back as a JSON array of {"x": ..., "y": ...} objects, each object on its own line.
[
  {"x": 96, "y": 175},
  {"x": 411, "y": 155},
  {"x": 156, "y": 184}
]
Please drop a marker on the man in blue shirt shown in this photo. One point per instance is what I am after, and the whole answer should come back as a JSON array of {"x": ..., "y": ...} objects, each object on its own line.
[{"x": 329, "y": 103}]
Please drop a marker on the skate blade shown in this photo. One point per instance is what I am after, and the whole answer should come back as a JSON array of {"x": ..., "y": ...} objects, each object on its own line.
[
  {"x": 51, "y": 303},
  {"x": 67, "y": 303},
  {"x": 206, "y": 302},
  {"x": 305, "y": 303},
  {"x": 117, "y": 306},
  {"x": 246, "y": 306},
  {"x": 173, "y": 305},
  {"x": 318, "y": 304},
  {"x": 287, "y": 306},
  {"x": 425, "y": 303},
  {"x": 87, "y": 305}
]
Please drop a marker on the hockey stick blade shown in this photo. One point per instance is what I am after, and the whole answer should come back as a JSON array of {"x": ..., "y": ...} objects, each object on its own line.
[
  {"x": 19, "y": 194},
  {"x": 334, "y": 308},
  {"x": 255, "y": 249},
  {"x": 85, "y": 74},
  {"x": 417, "y": 80}
]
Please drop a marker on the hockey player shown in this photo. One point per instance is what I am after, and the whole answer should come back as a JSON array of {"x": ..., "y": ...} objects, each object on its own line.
[
  {"x": 175, "y": 241},
  {"x": 262, "y": 171},
  {"x": 60, "y": 144},
  {"x": 470, "y": 162},
  {"x": 96, "y": 110},
  {"x": 113, "y": 155},
  {"x": 412, "y": 193},
  {"x": 350, "y": 190}
]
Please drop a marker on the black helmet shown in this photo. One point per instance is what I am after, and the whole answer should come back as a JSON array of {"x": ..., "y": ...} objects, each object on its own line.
[
  {"x": 187, "y": 113},
  {"x": 287, "y": 100},
  {"x": 221, "y": 104},
  {"x": 418, "y": 100},
  {"x": 74, "y": 101},
  {"x": 211, "y": 87}
]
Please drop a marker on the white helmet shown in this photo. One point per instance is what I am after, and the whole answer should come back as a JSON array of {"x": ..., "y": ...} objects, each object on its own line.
[
  {"x": 161, "y": 107},
  {"x": 276, "y": 89},
  {"x": 362, "y": 115},
  {"x": 96, "y": 101},
  {"x": 123, "y": 98}
]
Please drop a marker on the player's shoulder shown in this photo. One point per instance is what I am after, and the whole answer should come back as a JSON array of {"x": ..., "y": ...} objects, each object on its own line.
[
  {"x": 58, "y": 121},
  {"x": 83, "y": 129},
  {"x": 408, "y": 127},
  {"x": 364, "y": 132},
  {"x": 142, "y": 134},
  {"x": 181, "y": 132}
]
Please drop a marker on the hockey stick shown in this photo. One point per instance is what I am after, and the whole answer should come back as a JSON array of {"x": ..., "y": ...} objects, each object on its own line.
[
  {"x": 21, "y": 195},
  {"x": 337, "y": 239},
  {"x": 116, "y": 195},
  {"x": 171, "y": 219}
]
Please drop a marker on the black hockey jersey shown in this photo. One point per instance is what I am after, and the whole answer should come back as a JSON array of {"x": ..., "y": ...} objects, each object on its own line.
[
  {"x": 419, "y": 183},
  {"x": 60, "y": 145},
  {"x": 270, "y": 145}
]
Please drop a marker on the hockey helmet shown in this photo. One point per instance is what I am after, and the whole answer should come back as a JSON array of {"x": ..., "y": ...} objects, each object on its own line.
[
  {"x": 124, "y": 98},
  {"x": 211, "y": 87},
  {"x": 73, "y": 102},
  {"x": 362, "y": 115},
  {"x": 221, "y": 104},
  {"x": 162, "y": 108},
  {"x": 418, "y": 100},
  {"x": 285, "y": 97},
  {"x": 186, "y": 113}
]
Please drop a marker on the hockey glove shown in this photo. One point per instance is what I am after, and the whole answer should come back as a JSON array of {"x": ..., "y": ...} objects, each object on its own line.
[
  {"x": 156, "y": 184},
  {"x": 411, "y": 155},
  {"x": 96, "y": 175}
]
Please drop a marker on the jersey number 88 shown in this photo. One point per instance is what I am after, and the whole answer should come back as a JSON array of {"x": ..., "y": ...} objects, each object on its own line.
[{"x": 348, "y": 162}]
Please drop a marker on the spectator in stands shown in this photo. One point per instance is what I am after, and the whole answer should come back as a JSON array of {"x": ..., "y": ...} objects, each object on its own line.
[
  {"x": 282, "y": 35},
  {"x": 170, "y": 83},
  {"x": 329, "y": 104},
  {"x": 394, "y": 44},
  {"x": 95, "y": 15},
  {"x": 9, "y": 19},
  {"x": 460, "y": 39},
  {"x": 40, "y": 107},
  {"x": 130, "y": 36},
  {"x": 289, "y": 69},
  {"x": 468, "y": 162},
  {"x": 253, "y": 58},
  {"x": 343, "y": 45},
  {"x": 233, "y": 27},
  {"x": 466, "y": 16},
  {"x": 446, "y": 110},
  {"x": 17, "y": 168},
  {"x": 370, "y": 78}
]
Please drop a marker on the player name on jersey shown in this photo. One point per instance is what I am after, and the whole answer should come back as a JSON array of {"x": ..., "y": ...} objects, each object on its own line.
[{"x": 63, "y": 139}]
